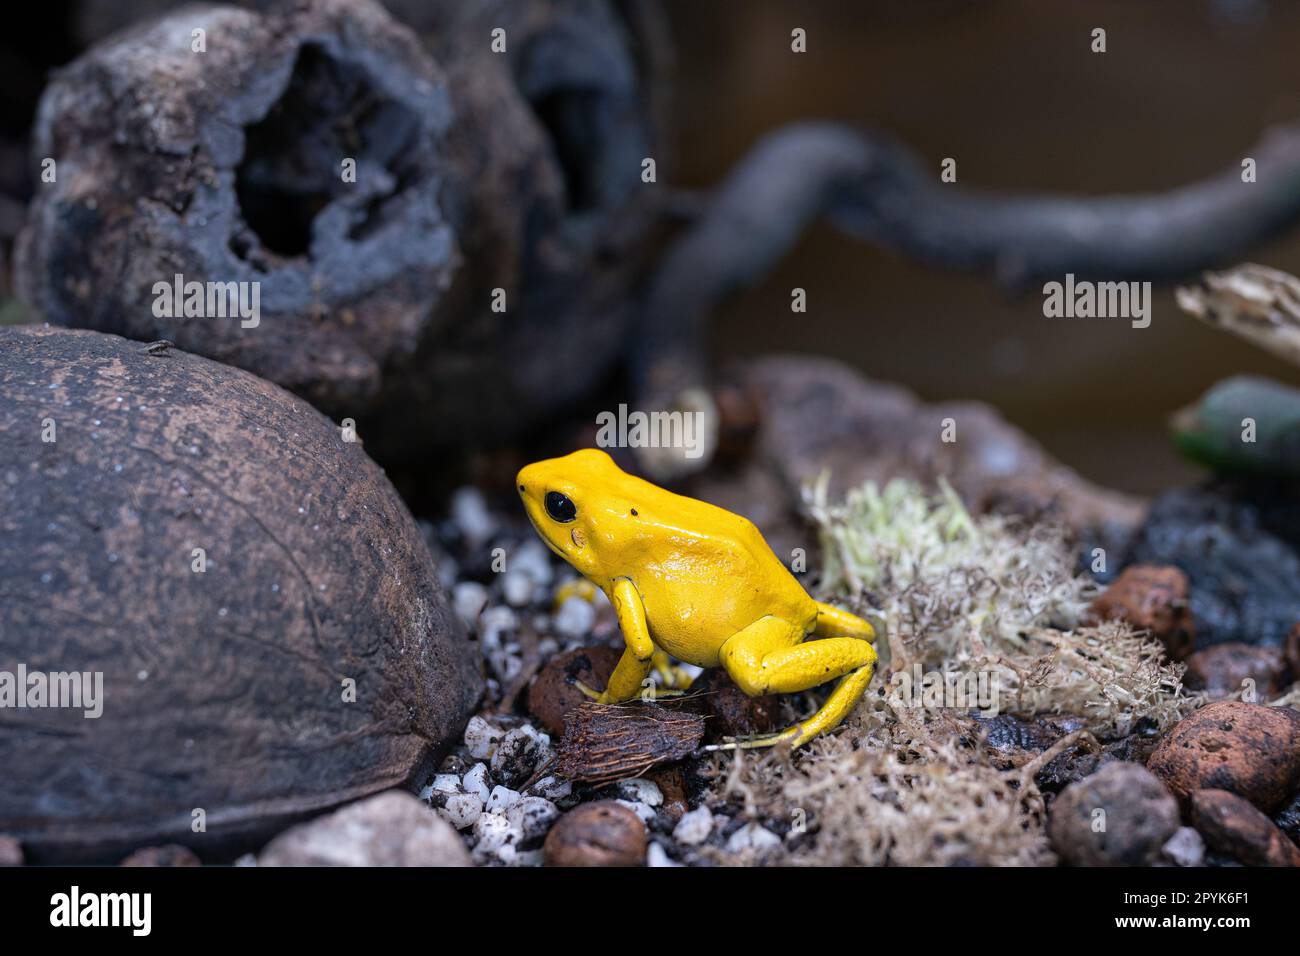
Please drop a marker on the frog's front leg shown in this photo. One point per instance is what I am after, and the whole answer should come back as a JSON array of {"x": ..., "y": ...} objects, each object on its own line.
[{"x": 638, "y": 653}]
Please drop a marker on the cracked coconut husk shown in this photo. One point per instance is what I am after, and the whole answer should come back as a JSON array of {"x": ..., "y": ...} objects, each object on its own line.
[
  {"x": 607, "y": 742},
  {"x": 956, "y": 594}
]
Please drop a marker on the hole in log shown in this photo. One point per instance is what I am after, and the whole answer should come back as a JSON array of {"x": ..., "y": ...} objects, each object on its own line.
[
  {"x": 292, "y": 166},
  {"x": 571, "y": 119}
]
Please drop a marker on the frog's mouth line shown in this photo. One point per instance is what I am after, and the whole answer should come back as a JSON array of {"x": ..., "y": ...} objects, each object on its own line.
[{"x": 545, "y": 540}]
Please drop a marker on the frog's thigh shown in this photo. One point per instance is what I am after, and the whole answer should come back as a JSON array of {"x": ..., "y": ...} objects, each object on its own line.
[
  {"x": 745, "y": 655},
  {"x": 787, "y": 670}
]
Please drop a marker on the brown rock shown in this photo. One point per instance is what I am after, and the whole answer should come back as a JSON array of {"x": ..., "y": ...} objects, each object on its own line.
[
  {"x": 389, "y": 829},
  {"x": 222, "y": 690},
  {"x": 1120, "y": 816},
  {"x": 820, "y": 414},
  {"x": 739, "y": 417},
  {"x": 11, "y": 851},
  {"x": 604, "y": 833},
  {"x": 172, "y": 854},
  {"x": 1154, "y": 598},
  {"x": 552, "y": 694},
  {"x": 1234, "y": 828},
  {"x": 728, "y": 711},
  {"x": 1247, "y": 749},
  {"x": 1224, "y": 669}
]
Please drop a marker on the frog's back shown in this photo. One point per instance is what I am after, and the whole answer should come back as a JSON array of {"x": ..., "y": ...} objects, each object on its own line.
[{"x": 704, "y": 573}]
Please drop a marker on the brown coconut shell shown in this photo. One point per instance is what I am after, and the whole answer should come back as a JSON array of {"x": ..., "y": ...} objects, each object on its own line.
[{"x": 223, "y": 691}]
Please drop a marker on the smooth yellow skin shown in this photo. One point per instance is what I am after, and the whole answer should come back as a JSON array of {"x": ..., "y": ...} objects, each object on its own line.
[{"x": 695, "y": 581}]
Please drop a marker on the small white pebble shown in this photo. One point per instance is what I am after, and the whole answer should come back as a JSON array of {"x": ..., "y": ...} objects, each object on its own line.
[
  {"x": 656, "y": 855},
  {"x": 641, "y": 789},
  {"x": 553, "y": 788},
  {"x": 446, "y": 783},
  {"x": 532, "y": 559},
  {"x": 470, "y": 513},
  {"x": 481, "y": 738},
  {"x": 520, "y": 752},
  {"x": 575, "y": 618},
  {"x": 493, "y": 623},
  {"x": 463, "y": 810},
  {"x": 1185, "y": 847},
  {"x": 517, "y": 588},
  {"x": 501, "y": 799},
  {"x": 469, "y": 598},
  {"x": 694, "y": 827},
  {"x": 476, "y": 781},
  {"x": 646, "y": 813},
  {"x": 533, "y": 816},
  {"x": 752, "y": 837},
  {"x": 492, "y": 831}
]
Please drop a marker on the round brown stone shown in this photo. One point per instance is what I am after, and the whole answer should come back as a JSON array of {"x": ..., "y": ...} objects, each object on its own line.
[
  {"x": 1233, "y": 827},
  {"x": 1138, "y": 814},
  {"x": 1247, "y": 749},
  {"x": 1226, "y": 669},
  {"x": 604, "y": 833},
  {"x": 1154, "y": 598},
  {"x": 552, "y": 694}
]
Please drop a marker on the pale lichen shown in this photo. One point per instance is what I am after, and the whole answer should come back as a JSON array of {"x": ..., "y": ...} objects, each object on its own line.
[{"x": 904, "y": 781}]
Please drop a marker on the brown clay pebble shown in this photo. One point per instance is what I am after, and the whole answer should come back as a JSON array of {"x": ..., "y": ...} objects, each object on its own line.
[
  {"x": 553, "y": 694},
  {"x": 1248, "y": 749},
  {"x": 1138, "y": 813},
  {"x": 172, "y": 854},
  {"x": 1224, "y": 669},
  {"x": 728, "y": 711},
  {"x": 1154, "y": 598},
  {"x": 1234, "y": 828},
  {"x": 671, "y": 781},
  {"x": 604, "y": 833}
]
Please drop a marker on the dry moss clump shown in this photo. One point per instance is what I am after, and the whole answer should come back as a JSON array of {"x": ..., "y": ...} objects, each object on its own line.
[
  {"x": 989, "y": 596},
  {"x": 984, "y": 601}
]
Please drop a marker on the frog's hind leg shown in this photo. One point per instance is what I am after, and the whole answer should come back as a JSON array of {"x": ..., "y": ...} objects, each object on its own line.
[
  {"x": 674, "y": 677},
  {"x": 832, "y": 622},
  {"x": 770, "y": 656}
]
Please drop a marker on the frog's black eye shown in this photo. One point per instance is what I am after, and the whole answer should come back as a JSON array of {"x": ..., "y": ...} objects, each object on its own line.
[{"x": 560, "y": 507}]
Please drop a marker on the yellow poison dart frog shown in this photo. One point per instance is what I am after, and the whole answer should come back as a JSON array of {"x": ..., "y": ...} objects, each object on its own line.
[{"x": 692, "y": 580}]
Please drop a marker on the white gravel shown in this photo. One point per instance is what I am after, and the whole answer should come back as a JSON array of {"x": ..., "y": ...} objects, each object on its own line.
[
  {"x": 482, "y": 738},
  {"x": 694, "y": 827},
  {"x": 575, "y": 618},
  {"x": 476, "y": 781},
  {"x": 752, "y": 837},
  {"x": 641, "y": 790}
]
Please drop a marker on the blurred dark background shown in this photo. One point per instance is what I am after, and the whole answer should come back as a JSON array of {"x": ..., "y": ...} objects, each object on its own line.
[{"x": 1011, "y": 90}]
